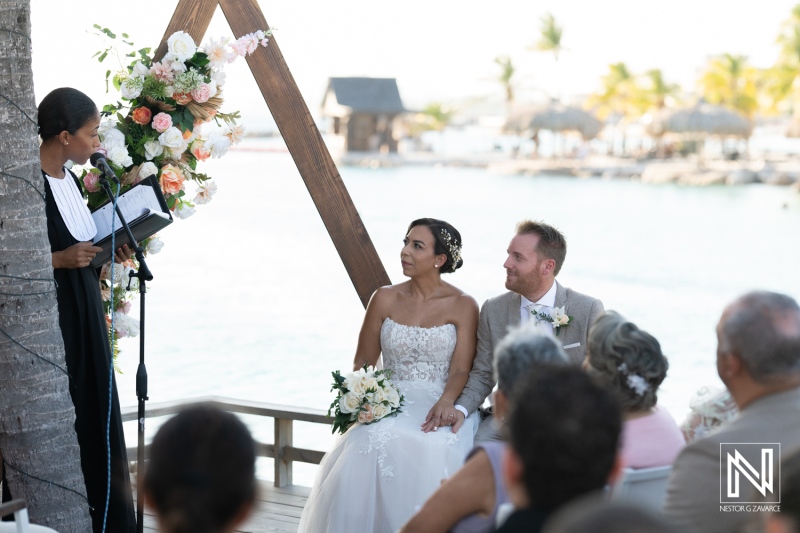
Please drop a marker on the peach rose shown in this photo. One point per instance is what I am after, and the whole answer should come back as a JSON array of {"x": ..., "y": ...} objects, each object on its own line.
[
  {"x": 365, "y": 417},
  {"x": 171, "y": 179},
  {"x": 201, "y": 94},
  {"x": 182, "y": 98},
  {"x": 200, "y": 151},
  {"x": 142, "y": 115},
  {"x": 162, "y": 122}
]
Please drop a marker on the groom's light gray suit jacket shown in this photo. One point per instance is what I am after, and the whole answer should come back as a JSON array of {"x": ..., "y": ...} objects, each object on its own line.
[{"x": 501, "y": 313}]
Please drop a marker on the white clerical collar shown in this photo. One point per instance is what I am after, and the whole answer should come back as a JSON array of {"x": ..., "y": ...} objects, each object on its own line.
[{"x": 549, "y": 298}]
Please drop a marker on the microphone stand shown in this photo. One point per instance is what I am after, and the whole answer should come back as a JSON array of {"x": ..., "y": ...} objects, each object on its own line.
[{"x": 144, "y": 276}]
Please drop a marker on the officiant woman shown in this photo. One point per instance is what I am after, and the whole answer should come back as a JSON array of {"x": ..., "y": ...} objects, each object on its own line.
[{"x": 68, "y": 124}]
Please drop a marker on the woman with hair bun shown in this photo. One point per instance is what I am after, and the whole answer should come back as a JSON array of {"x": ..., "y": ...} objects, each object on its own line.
[
  {"x": 628, "y": 361},
  {"x": 376, "y": 476},
  {"x": 68, "y": 124}
]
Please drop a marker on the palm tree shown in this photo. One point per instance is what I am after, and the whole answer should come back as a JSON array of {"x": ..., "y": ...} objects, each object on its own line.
[
  {"x": 37, "y": 436},
  {"x": 506, "y": 78},
  {"x": 617, "y": 97},
  {"x": 654, "y": 91},
  {"x": 730, "y": 81},
  {"x": 781, "y": 82},
  {"x": 549, "y": 36}
]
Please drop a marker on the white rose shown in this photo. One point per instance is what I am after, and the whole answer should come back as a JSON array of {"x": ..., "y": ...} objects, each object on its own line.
[
  {"x": 119, "y": 155},
  {"x": 212, "y": 88},
  {"x": 131, "y": 88},
  {"x": 125, "y": 326},
  {"x": 148, "y": 169},
  {"x": 184, "y": 210},
  {"x": 379, "y": 395},
  {"x": 219, "y": 78},
  {"x": 106, "y": 126},
  {"x": 119, "y": 275},
  {"x": 358, "y": 385},
  {"x": 379, "y": 411},
  {"x": 181, "y": 46},
  {"x": 218, "y": 144},
  {"x": 140, "y": 70},
  {"x": 392, "y": 396},
  {"x": 372, "y": 383},
  {"x": 154, "y": 245},
  {"x": 113, "y": 137},
  {"x": 153, "y": 149},
  {"x": 169, "y": 90},
  {"x": 172, "y": 138},
  {"x": 350, "y": 402}
]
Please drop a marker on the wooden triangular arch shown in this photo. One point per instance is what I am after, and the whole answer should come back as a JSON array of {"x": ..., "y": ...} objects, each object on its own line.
[{"x": 301, "y": 135}]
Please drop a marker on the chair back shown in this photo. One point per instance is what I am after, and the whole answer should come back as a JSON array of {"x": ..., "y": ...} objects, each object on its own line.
[
  {"x": 19, "y": 508},
  {"x": 645, "y": 486}
]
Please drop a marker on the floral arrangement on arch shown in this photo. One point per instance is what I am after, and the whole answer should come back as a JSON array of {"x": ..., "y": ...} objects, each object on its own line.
[
  {"x": 169, "y": 119},
  {"x": 365, "y": 396}
]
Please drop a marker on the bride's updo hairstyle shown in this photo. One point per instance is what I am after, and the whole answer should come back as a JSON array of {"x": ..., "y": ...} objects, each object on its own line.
[
  {"x": 64, "y": 109},
  {"x": 447, "y": 241},
  {"x": 626, "y": 360},
  {"x": 201, "y": 477}
]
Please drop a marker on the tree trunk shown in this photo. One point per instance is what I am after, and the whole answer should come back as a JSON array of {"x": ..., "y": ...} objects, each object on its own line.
[{"x": 37, "y": 435}]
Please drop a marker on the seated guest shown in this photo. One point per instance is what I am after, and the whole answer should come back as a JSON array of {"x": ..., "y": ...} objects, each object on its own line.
[
  {"x": 758, "y": 360},
  {"x": 201, "y": 473},
  {"x": 468, "y": 501},
  {"x": 564, "y": 433},
  {"x": 629, "y": 363},
  {"x": 596, "y": 514},
  {"x": 787, "y": 520},
  {"x": 708, "y": 409}
]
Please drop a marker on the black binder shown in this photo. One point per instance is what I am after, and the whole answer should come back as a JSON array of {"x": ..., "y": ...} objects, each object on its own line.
[{"x": 142, "y": 226}]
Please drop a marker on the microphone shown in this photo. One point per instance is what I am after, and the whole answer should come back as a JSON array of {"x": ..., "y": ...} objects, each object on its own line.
[{"x": 98, "y": 161}]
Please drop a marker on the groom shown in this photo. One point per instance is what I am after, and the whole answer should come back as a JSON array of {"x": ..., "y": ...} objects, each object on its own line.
[{"x": 535, "y": 256}]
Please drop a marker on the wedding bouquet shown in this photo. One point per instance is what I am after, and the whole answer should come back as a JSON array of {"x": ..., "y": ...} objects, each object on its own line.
[
  {"x": 168, "y": 119},
  {"x": 364, "y": 396}
]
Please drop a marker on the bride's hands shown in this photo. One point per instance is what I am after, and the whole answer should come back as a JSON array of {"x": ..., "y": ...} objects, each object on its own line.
[{"x": 443, "y": 413}]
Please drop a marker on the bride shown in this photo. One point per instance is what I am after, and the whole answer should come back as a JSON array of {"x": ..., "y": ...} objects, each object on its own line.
[{"x": 377, "y": 475}]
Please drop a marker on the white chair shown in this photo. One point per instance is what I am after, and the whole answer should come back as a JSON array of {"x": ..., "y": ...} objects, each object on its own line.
[
  {"x": 646, "y": 486},
  {"x": 20, "y": 525}
]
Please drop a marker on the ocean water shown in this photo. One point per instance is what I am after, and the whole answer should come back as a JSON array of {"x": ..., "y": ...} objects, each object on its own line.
[{"x": 251, "y": 301}]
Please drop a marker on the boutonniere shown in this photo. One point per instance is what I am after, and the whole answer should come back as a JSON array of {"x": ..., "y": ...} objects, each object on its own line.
[{"x": 556, "y": 316}]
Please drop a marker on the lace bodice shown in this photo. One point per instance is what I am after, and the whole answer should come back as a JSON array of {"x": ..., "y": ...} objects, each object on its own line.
[{"x": 414, "y": 353}]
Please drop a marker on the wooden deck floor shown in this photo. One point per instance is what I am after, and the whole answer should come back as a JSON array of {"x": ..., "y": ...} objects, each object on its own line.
[{"x": 278, "y": 510}]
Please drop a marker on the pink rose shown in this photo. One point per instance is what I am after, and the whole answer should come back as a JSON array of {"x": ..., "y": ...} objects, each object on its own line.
[
  {"x": 90, "y": 181},
  {"x": 200, "y": 151},
  {"x": 201, "y": 94},
  {"x": 162, "y": 122}
]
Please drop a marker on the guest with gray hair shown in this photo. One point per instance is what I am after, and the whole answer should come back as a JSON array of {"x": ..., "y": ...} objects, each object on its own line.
[
  {"x": 468, "y": 501},
  {"x": 629, "y": 363},
  {"x": 758, "y": 359}
]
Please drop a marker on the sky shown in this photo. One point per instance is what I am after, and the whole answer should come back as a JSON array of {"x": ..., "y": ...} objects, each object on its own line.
[{"x": 439, "y": 50}]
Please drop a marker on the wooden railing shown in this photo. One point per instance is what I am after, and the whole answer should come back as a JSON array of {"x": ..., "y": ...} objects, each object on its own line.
[{"x": 282, "y": 450}]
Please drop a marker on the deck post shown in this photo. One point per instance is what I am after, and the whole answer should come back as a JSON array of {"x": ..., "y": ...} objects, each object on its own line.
[{"x": 283, "y": 439}]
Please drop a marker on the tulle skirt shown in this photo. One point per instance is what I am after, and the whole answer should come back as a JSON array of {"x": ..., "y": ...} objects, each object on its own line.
[{"x": 378, "y": 475}]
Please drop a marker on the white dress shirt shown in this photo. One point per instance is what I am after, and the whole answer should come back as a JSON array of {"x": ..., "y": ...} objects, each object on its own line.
[{"x": 549, "y": 300}]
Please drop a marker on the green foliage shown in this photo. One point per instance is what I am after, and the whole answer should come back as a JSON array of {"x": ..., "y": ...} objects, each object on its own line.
[{"x": 550, "y": 34}]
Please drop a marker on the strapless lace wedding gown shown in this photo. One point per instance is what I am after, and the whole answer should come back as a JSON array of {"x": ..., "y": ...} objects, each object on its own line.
[{"x": 376, "y": 476}]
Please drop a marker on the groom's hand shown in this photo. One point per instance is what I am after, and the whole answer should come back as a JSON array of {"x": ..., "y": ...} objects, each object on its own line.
[
  {"x": 441, "y": 414},
  {"x": 459, "y": 421}
]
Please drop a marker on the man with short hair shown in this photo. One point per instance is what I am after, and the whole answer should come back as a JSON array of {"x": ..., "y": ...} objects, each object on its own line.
[
  {"x": 535, "y": 256},
  {"x": 563, "y": 435},
  {"x": 758, "y": 359}
]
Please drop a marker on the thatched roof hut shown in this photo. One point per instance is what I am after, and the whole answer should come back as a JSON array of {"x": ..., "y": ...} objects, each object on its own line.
[
  {"x": 555, "y": 117},
  {"x": 701, "y": 120}
]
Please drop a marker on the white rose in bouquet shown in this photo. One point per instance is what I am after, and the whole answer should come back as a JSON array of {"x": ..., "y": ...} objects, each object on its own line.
[
  {"x": 379, "y": 395},
  {"x": 153, "y": 149},
  {"x": 350, "y": 402},
  {"x": 112, "y": 137},
  {"x": 119, "y": 156},
  {"x": 379, "y": 411},
  {"x": 154, "y": 245},
  {"x": 172, "y": 138},
  {"x": 131, "y": 87},
  {"x": 218, "y": 144},
  {"x": 184, "y": 210},
  {"x": 181, "y": 46},
  {"x": 125, "y": 326},
  {"x": 393, "y": 396},
  {"x": 140, "y": 70},
  {"x": 371, "y": 383},
  {"x": 358, "y": 384},
  {"x": 148, "y": 168}
]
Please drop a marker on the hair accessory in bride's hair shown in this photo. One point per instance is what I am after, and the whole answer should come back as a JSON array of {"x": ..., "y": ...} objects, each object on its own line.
[
  {"x": 635, "y": 382},
  {"x": 452, "y": 246}
]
